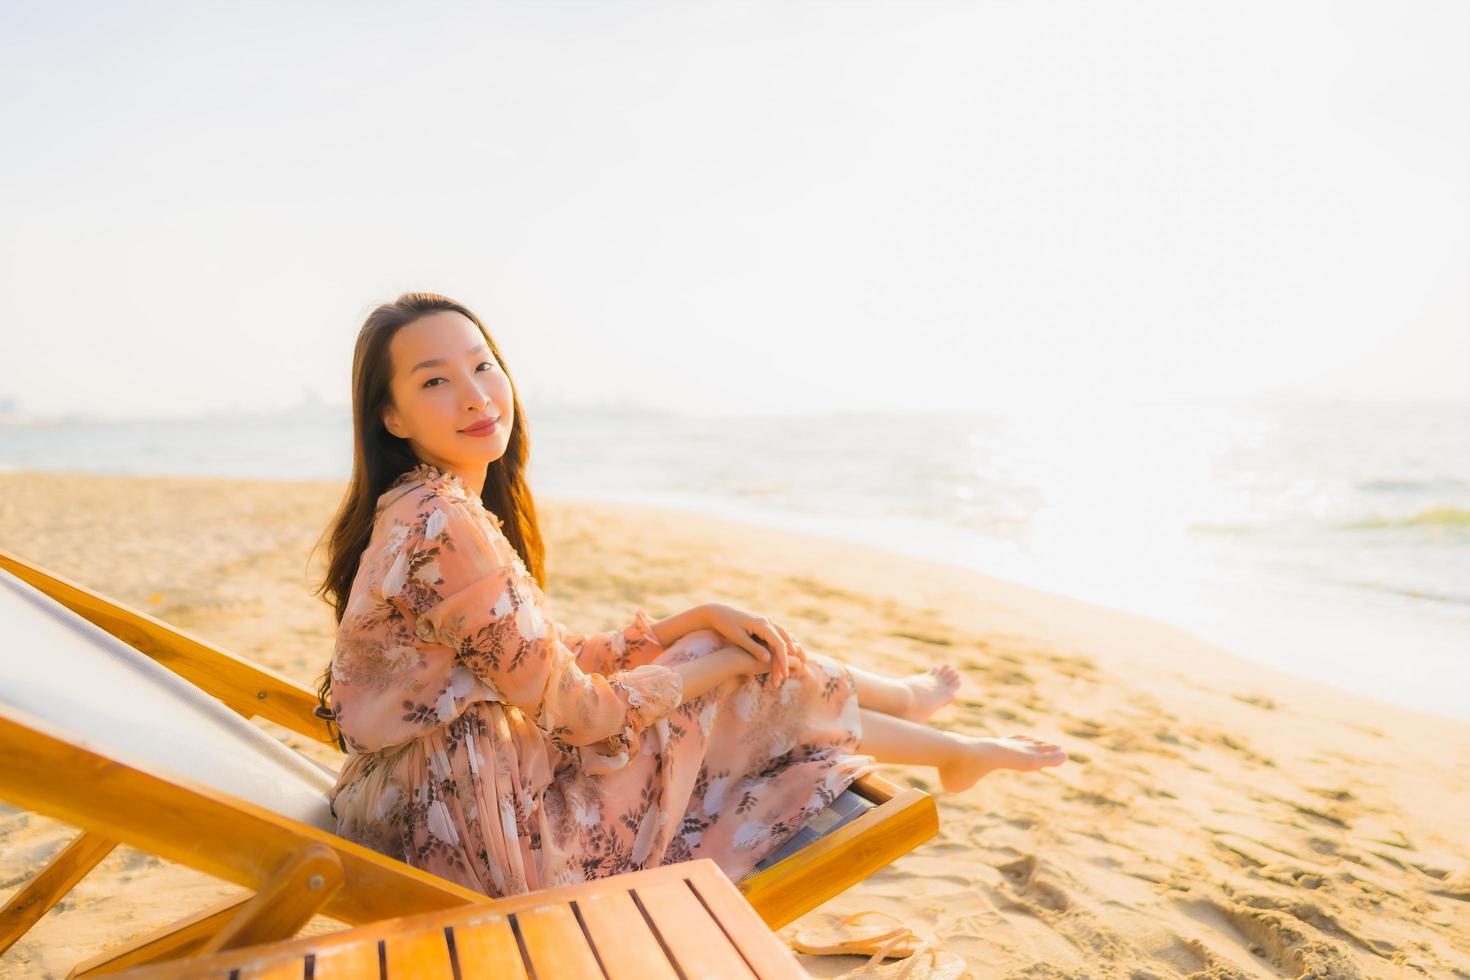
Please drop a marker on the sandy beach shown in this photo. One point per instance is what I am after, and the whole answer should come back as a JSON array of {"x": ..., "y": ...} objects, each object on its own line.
[{"x": 1217, "y": 818}]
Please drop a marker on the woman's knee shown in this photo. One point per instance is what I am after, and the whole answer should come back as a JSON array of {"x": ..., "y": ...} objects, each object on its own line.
[{"x": 695, "y": 644}]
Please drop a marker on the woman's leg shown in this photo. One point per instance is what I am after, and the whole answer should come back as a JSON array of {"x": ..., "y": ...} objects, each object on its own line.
[
  {"x": 913, "y": 698},
  {"x": 961, "y": 759}
]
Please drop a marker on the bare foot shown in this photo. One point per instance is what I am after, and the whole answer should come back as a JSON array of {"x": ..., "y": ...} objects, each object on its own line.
[
  {"x": 930, "y": 691},
  {"x": 977, "y": 757}
]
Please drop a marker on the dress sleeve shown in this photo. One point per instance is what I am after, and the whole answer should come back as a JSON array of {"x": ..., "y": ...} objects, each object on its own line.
[
  {"x": 478, "y": 601},
  {"x": 612, "y": 650}
]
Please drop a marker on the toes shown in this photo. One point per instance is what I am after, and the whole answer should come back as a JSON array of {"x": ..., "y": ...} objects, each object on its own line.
[{"x": 1038, "y": 744}]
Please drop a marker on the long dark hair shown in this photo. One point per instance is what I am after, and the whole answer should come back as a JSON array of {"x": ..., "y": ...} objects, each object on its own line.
[{"x": 379, "y": 457}]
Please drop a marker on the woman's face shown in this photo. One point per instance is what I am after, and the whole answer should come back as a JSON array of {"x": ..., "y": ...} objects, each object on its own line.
[{"x": 444, "y": 380}]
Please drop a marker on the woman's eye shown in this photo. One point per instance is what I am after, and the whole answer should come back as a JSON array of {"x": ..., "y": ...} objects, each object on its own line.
[{"x": 430, "y": 382}]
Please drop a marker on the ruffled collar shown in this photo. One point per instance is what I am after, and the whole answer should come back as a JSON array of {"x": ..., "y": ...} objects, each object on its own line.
[
  {"x": 429, "y": 473},
  {"x": 445, "y": 481}
]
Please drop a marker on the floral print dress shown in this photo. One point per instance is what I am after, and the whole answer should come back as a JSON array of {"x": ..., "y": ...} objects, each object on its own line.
[{"x": 492, "y": 747}]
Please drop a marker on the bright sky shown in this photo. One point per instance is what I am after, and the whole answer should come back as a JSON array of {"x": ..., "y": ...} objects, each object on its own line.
[{"x": 730, "y": 207}]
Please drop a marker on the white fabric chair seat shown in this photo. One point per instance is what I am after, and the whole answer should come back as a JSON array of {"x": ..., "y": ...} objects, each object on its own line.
[{"x": 57, "y": 666}]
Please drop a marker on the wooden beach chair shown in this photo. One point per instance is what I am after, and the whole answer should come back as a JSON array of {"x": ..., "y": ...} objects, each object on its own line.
[{"x": 869, "y": 826}]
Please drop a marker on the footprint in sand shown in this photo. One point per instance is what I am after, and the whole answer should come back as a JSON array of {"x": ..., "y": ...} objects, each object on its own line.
[
  {"x": 1282, "y": 940},
  {"x": 1086, "y": 728},
  {"x": 1021, "y": 875},
  {"x": 1094, "y": 798}
]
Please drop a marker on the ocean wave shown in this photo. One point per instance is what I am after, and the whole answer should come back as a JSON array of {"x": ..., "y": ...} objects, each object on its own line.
[
  {"x": 1449, "y": 598},
  {"x": 1408, "y": 485},
  {"x": 1456, "y": 518},
  {"x": 1448, "y": 517}
]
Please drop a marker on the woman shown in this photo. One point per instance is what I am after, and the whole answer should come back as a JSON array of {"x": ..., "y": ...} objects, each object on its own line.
[{"x": 491, "y": 746}]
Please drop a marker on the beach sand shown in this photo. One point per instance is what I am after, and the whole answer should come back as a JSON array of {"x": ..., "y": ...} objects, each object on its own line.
[{"x": 1217, "y": 818}]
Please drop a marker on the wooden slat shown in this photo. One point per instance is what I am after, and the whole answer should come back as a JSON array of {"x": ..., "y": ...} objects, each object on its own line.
[
  {"x": 284, "y": 970},
  {"x": 698, "y": 944},
  {"x": 418, "y": 955},
  {"x": 180, "y": 820},
  {"x": 39, "y": 895},
  {"x": 345, "y": 961},
  {"x": 750, "y": 935},
  {"x": 165, "y": 970},
  {"x": 875, "y": 788},
  {"x": 248, "y": 687},
  {"x": 487, "y": 947},
  {"x": 624, "y": 940},
  {"x": 556, "y": 944}
]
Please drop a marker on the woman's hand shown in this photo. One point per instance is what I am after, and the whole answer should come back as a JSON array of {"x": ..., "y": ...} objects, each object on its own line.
[{"x": 758, "y": 636}]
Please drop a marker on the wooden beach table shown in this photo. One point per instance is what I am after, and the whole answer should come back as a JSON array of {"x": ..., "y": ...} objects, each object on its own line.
[{"x": 684, "y": 920}]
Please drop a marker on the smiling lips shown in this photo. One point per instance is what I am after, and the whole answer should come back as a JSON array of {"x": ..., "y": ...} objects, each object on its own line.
[{"x": 482, "y": 428}]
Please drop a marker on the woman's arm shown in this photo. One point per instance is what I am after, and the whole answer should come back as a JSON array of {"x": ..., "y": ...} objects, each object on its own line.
[
  {"x": 458, "y": 586},
  {"x": 672, "y": 627},
  {"x": 711, "y": 670}
]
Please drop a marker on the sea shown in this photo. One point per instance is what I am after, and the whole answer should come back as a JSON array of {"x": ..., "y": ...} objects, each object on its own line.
[{"x": 1330, "y": 540}]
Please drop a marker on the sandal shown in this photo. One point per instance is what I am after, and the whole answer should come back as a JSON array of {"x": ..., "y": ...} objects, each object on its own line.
[
  {"x": 928, "y": 962},
  {"x": 845, "y": 936}
]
